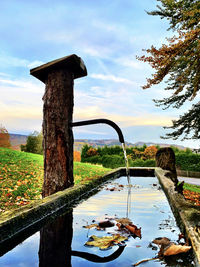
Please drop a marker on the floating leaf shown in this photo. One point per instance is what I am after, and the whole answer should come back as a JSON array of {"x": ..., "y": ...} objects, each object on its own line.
[
  {"x": 134, "y": 230},
  {"x": 169, "y": 248},
  {"x": 105, "y": 242},
  {"x": 161, "y": 241},
  {"x": 100, "y": 225},
  {"x": 174, "y": 249},
  {"x": 124, "y": 221},
  {"x": 129, "y": 227},
  {"x": 105, "y": 224},
  {"x": 90, "y": 226}
]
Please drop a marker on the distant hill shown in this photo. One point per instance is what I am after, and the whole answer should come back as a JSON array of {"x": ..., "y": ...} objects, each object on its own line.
[
  {"x": 158, "y": 144},
  {"x": 78, "y": 143},
  {"x": 18, "y": 139}
]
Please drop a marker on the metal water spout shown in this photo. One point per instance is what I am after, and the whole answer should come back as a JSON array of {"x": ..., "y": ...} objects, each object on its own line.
[
  {"x": 104, "y": 121},
  {"x": 117, "y": 129}
]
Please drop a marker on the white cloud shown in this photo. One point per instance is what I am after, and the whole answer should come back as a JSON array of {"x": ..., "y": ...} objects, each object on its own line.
[
  {"x": 7, "y": 60},
  {"x": 94, "y": 112},
  {"x": 90, "y": 132},
  {"x": 112, "y": 78},
  {"x": 21, "y": 85},
  {"x": 100, "y": 24},
  {"x": 4, "y": 74},
  {"x": 130, "y": 61},
  {"x": 21, "y": 105},
  {"x": 35, "y": 64}
]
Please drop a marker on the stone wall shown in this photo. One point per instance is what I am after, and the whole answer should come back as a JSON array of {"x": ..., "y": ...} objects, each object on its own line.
[{"x": 188, "y": 174}]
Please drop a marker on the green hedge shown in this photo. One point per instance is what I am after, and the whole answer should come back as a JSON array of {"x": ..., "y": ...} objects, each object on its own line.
[
  {"x": 116, "y": 161},
  {"x": 142, "y": 163},
  {"x": 113, "y": 161},
  {"x": 93, "y": 160},
  {"x": 112, "y": 157},
  {"x": 188, "y": 161}
]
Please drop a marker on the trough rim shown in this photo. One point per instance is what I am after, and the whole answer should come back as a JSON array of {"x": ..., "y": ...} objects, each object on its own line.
[{"x": 13, "y": 223}]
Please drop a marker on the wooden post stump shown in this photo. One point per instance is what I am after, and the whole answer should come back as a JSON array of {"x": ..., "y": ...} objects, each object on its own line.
[
  {"x": 165, "y": 159},
  {"x": 58, "y": 76}
]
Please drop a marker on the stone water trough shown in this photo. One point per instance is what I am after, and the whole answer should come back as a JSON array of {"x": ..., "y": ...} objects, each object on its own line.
[{"x": 16, "y": 226}]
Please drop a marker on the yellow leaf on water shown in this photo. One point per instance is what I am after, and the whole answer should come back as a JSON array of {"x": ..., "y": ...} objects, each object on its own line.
[
  {"x": 105, "y": 242},
  {"x": 90, "y": 226}
]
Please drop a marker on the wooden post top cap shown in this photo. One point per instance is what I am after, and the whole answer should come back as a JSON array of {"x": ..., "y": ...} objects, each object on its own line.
[{"x": 73, "y": 63}]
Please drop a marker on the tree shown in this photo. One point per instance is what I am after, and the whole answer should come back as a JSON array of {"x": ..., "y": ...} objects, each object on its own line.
[
  {"x": 33, "y": 143},
  {"x": 4, "y": 137},
  {"x": 92, "y": 152},
  {"x": 84, "y": 151},
  {"x": 136, "y": 154},
  {"x": 77, "y": 156},
  {"x": 150, "y": 152},
  {"x": 179, "y": 60}
]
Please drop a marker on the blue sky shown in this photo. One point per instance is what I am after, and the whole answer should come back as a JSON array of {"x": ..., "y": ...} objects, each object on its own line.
[{"x": 107, "y": 35}]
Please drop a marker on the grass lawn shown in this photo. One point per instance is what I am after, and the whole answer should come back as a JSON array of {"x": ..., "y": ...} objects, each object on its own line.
[{"x": 21, "y": 177}]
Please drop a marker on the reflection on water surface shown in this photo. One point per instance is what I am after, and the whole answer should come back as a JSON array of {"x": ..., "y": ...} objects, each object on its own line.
[{"x": 61, "y": 242}]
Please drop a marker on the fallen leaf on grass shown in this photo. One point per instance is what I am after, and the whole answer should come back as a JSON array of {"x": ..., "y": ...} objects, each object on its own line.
[
  {"x": 192, "y": 196},
  {"x": 105, "y": 242}
]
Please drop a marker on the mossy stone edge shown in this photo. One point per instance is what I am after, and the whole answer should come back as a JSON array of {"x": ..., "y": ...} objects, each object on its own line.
[{"x": 187, "y": 215}]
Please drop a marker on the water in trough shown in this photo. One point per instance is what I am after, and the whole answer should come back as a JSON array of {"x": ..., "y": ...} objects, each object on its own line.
[{"x": 61, "y": 242}]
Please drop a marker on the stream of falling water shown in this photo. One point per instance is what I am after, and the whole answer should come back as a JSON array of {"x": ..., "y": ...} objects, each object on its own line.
[
  {"x": 126, "y": 163},
  {"x": 128, "y": 179}
]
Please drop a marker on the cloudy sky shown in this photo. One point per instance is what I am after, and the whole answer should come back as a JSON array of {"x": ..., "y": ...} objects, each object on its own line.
[{"x": 107, "y": 35}]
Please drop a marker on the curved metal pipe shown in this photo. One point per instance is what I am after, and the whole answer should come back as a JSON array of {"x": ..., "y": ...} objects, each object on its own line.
[{"x": 97, "y": 121}]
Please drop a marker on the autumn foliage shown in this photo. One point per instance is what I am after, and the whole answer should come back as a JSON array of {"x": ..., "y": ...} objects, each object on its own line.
[
  {"x": 92, "y": 152},
  {"x": 150, "y": 152},
  {"x": 4, "y": 138},
  {"x": 136, "y": 154},
  {"x": 77, "y": 156}
]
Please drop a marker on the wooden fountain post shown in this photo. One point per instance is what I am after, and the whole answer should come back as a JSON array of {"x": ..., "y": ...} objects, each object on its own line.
[{"x": 58, "y": 76}]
